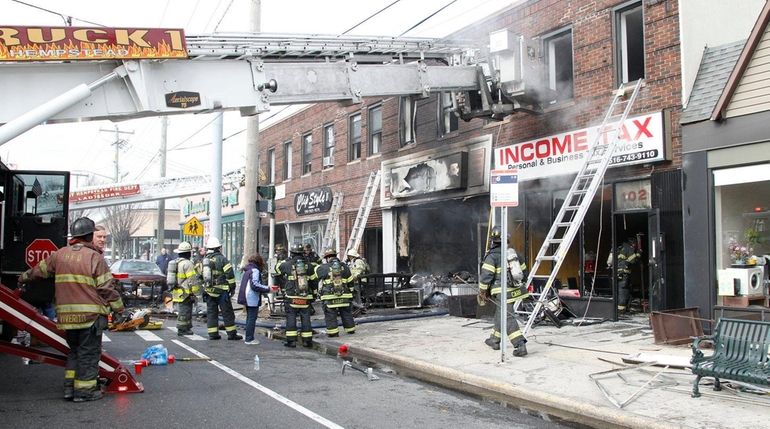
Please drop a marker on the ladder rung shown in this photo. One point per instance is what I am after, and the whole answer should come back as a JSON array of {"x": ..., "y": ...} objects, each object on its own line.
[
  {"x": 547, "y": 258},
  {"x": 571, "y": 208},
  {"x": 563, "y": 224}
]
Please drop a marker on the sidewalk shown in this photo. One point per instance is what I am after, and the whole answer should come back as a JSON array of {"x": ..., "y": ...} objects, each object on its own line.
[{"x": 553, "y": 379}]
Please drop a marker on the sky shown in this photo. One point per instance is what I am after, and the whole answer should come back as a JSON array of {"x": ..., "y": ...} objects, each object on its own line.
[{"x": 86, "y": 148}]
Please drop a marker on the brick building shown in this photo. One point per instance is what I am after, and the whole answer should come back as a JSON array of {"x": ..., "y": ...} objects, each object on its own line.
[{"x": 433, "y": 213}]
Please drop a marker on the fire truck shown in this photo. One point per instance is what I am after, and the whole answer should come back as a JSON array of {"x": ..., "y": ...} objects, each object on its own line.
[{"x": 33, "y": 223}]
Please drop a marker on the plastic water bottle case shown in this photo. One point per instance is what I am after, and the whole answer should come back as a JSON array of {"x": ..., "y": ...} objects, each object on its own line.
[{"x": 256, "y": 362}]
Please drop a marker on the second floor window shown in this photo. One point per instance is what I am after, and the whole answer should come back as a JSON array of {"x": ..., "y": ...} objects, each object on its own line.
[
  {"x": 629, "y": 25},
  {"x": 446, "y": 116},
  {"x": 406, "y": 120},
  {"x": 287, "y": 161},
  {"x": 375, "y": 130},
  {"x": 558, "y": 56},
  {"x": 307, "y": 153},
  {"x": 271, "y": 165},
  {"x": 354, "y": 146},
  {"x": 328, "y": 156}
]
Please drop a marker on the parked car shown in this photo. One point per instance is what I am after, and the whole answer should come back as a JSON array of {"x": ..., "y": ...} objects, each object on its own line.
[{"x": 139, "y": 280}]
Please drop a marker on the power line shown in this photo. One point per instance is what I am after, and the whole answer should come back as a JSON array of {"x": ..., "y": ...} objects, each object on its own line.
[
  {"x": 369, "y": 17},
  {"x": 223, "y": 15},
  {"x": 67, "y": 18},
  {"x": 428, "y": 17},
  {"x": 197, "y": 2}
]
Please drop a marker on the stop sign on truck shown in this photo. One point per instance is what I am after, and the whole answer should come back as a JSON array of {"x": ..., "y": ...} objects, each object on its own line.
[{"x": 38, "y": 250}]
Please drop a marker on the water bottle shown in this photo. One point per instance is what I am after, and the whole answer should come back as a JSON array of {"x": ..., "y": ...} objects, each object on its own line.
[{"x": 256, "y": 362}]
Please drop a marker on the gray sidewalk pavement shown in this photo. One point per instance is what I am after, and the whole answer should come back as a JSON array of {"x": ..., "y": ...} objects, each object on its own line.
[{"x": 553, "y": 380}]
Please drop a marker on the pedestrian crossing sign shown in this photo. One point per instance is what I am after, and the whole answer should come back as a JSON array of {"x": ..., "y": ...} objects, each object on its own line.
[{"x": 193, "y": 227}]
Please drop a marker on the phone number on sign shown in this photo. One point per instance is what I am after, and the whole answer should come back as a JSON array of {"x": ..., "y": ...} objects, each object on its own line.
[{"x": 636, "y": 156}]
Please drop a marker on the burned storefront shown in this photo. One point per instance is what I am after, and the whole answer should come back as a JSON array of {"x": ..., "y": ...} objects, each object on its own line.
[{"x": 435, "y": 207}]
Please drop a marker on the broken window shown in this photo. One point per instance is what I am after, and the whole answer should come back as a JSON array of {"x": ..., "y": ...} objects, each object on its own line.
[
  {"x": 629, "y": 42},
  {"x": 446, "y": 116},
  {"x": 406, "y": 120},
  {"x": 558, "y": 58},
  {"x": 354, "y": 146},
  {"x": 375, "y": 129},
  {"x": 287, "y": 160},
  {"x": 307, "y": 153},
  {"x": 328, "y": 157}
]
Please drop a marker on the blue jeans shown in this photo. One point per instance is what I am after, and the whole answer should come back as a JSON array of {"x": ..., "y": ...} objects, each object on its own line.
[{"x": 251, "y": 322}]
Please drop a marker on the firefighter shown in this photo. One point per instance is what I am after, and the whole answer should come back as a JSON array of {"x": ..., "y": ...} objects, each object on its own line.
[
  {"x": 334, "y": 279},
  {"x": 311, "y": 256},
  {"x": 299, "y": 280},
  {"x": 360, "y": 269},
  {"x": 218, "y": 289},
  {"x": 279, "y": 255},
  {"x": 489, "y": 285},
  {"x": 186, "y": 287},
  {"x": 628, "y": 255},
  {"x": 85, "y": 295}
]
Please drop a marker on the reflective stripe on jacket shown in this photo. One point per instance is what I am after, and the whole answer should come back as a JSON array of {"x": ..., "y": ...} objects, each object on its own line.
[
  {"x": 83, "y": 284},
  {"x": 188, "y": 280},
  {"x": 331, "y": 297},
  {"x": 222, "y": 274}
]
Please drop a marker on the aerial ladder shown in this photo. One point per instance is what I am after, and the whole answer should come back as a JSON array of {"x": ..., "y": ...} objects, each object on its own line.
[
  {"x": 248, "y": 73},
  {"x": 579, "y": 197}
]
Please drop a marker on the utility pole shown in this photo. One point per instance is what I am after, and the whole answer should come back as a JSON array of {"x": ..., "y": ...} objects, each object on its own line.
[
  {"x": 162, "y": 203},
  {"x": 215, "y": 207},
  {"x": 119, "y": 144},
  {"x": 250, "y": 216}
]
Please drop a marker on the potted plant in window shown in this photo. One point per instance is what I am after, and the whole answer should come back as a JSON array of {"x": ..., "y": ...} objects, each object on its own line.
[{"x": 739, "y": 253}]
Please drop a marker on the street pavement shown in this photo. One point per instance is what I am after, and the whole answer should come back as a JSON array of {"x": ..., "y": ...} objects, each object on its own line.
[{"x": 553, "y": 380}]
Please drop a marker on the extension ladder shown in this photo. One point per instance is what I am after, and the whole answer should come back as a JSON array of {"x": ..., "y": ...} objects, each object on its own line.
[
  {"x": 581, "y": 194},
  {"x": 363, "y": 211},
  {"x": 331, "y": 224}
]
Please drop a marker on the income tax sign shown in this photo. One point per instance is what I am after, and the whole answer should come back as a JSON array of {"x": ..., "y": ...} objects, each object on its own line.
[
  {"x": 640, "y": 141},
  {"x": 38, "y": 250}
]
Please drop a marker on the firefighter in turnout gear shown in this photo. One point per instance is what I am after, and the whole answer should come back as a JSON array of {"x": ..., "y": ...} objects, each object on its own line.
[
  {"x": 297, "y": 275},
  {"x": 185, "y": 282},
  {"x": 627, "y": 256},
  {"x": 85, "y": 295},
  {"x": 334, "y": 279},
  {"x": 492, "y": 268},
  {"x": 219, "y": 287}
]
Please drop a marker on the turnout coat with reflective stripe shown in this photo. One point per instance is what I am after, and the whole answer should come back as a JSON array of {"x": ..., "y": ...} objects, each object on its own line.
[{"x": 83, "y": 284}]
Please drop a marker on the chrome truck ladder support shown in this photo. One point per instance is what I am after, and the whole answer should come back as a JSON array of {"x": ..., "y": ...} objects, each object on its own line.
[
  {"x": 578, "y": 199},
  {"x": 363, "y": 211},
  {"x": 24, "y": 317}
]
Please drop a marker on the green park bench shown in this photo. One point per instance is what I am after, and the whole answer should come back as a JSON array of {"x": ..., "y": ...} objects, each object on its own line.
[{"x": 740, "y": 354}]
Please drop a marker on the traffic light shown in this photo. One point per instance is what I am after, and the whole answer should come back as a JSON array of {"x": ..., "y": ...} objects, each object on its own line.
[{"x": 266, "y": 192}]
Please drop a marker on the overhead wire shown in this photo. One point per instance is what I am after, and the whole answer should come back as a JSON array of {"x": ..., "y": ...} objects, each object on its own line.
[
  {"x": 195, "y": 8},
  {"x": 211, "y": 16},
  {"x": 62, "y": 15},
  {"x": 227, "y": 9},
  {"x": 369, "y": 17},
  {"x": 428, "y": 17}
]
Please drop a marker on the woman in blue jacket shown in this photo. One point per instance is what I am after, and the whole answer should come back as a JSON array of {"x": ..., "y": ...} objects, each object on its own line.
[{"x": 250, "y": 293}]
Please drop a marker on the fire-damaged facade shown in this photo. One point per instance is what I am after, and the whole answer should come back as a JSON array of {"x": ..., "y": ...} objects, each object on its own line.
[{"x": 432, "y": 214}]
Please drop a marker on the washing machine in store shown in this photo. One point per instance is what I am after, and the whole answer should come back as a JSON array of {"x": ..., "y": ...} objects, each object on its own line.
[{"x": 747, "y": 281}]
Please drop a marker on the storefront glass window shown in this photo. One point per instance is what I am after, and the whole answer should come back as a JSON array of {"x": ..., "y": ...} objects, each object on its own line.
[{"x": 742, "y": 214}]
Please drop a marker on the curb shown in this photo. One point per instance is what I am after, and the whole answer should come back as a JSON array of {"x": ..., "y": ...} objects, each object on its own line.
[{"x": 526, "y": 399}]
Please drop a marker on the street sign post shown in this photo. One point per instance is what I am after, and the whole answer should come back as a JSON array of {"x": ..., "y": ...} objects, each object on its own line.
[
  {"x": 193, "y": 227},
  {"x": 38, "y": 250},
  {"x": 503, "y": 193}
]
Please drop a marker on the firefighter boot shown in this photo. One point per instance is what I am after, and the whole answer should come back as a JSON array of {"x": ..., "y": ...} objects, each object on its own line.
[
  {"x": 183, "y": 332},
  {"x": 307, "y": 342},
  {"x": 520, "y": 350},
  {"x": 232, "y": 335},
  {"x": 215, "y": 337},
  {"x": 492, "y": 342},
  {"x": 88, "y": 395},
  {"x": 290, "y": 343},
  {"x": 69, "y": 391}
]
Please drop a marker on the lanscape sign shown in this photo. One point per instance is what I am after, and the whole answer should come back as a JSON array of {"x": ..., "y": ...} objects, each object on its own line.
[
  {"x": 641, "y": 141},
  {"x": 90, "y": 43}
]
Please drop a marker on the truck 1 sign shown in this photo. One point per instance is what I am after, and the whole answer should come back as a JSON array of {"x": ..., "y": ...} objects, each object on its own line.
[
  {"x": 641, "y": 141},
  {"x": 38, "y": 250}
]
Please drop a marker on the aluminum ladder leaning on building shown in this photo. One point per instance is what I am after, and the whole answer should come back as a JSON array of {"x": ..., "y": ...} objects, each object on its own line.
[
  {"x": 332, "y": 223},
  {"x": 581, "y": 194},
  {"x": 363, "y": 212}
]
